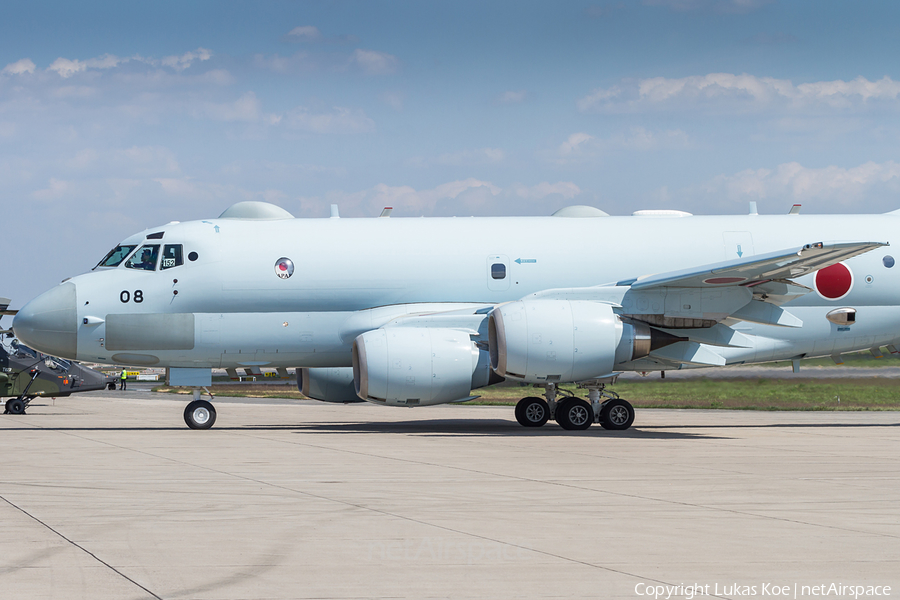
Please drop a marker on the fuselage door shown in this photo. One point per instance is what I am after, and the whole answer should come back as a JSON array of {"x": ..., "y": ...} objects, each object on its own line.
[
  {"x": 498, "y": 272},
  {"x": 738, "y": 244}
]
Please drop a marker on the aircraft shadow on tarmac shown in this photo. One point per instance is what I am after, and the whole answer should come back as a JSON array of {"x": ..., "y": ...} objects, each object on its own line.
[
  {"x": 438, "y": 427},
  {"x": 481, "y": 427}
]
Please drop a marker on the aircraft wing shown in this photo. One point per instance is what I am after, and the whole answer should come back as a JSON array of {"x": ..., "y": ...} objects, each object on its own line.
[
  {"x": 785, "y": 264},
  {"x": 701, "y": 303}
]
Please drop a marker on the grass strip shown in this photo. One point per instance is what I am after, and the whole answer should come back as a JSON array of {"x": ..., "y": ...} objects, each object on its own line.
[{"x": 736, "y": 394}]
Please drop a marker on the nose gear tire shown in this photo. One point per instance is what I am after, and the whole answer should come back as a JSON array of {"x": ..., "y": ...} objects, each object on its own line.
[
  {"x": 199, "y": 414},
  {"x": 15, "y": 407}
]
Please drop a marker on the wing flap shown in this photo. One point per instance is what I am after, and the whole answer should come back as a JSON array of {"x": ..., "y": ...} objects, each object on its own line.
[
  {"x": 757, "y": 311},
  {"x": 690, "y": 353}
]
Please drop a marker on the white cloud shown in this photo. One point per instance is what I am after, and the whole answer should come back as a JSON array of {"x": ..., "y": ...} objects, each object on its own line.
[
  {"x": 744, "y": 88},
  {"x": 305, "y": 32},
  {"x": 512, "y": 97},
  {"x": 19, "y": 67},
  {"x": 83, "y": 159},
  {"x": 573, "y": 143},
  {"x": 831, "y": 187},
  {"x": 55, "y": 189},
  {"x": 374, "y": 62},
  {"x": 339, "y": 120},
  {"x": 462, "y": 197},
  {"x": 472, "y": 157},
  {"x": 180, "y": 63},
  {"x": 134, "y": 162},
  {"x": 146, "y": 160},
  {"x": 598, "y": 97},
  {"x": 106, "y": 61},
  {"x": 566, "y": 189},
  {"x": 66, "y": 68},
  {"x": 582, "y": 147},
  {"x": 639, "y": 138}
]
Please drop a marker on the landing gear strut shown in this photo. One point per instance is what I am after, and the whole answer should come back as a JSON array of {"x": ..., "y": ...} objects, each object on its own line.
[
  {"x": 602, "y": 406},
  {"x": 17, "y": 406},
  {"x": 614, "y": 413},
  {"x": 200, "y": 414}
]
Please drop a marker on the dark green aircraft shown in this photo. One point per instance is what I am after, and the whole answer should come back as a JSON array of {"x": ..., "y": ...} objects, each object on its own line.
[{"x": 26, "y": 374}]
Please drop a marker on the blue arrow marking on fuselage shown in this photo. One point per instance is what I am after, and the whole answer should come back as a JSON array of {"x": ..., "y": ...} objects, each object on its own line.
[
  {"x": 740, "y": 253},
  {"x": 216, "y": 227},
  {"x": 525, "y": 260}
]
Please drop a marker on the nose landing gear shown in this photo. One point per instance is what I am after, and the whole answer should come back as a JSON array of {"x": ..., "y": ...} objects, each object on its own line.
[{"x": 200, "y": 414}]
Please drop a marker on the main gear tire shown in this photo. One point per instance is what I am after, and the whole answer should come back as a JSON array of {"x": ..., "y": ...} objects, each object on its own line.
[
  {"x": 532, "y": 412},
  {"x": 574, "y": 414},
  {"x": 616, "y": 415}
]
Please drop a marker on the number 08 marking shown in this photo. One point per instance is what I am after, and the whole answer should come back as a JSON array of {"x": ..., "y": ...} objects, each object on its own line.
[{"x": 125, "y": 296}]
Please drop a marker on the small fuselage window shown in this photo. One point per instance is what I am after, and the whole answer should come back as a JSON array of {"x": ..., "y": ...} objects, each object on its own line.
[
  {"x": 498, "y": 271},
  {"x": 171, "y": 257},
  {"x": 144, "y": 259},
  {"x": 116, "y": 256}
]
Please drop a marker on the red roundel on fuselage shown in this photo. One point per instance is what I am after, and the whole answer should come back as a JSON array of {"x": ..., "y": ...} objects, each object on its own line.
[{"x": 834, "y": 282}]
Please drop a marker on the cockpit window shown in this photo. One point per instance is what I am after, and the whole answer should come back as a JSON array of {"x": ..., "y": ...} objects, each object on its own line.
[
  {"x": 57, "y": 364},
  {"x": 172, "y": 257},
  {"x": 116, "y": 256},
  {"x": 145, "y": 258}
]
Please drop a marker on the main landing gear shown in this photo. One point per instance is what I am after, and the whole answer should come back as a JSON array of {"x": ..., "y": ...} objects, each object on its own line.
[
  {"x": 575, "y": 413},
  {"x": 200, "y": 414}
]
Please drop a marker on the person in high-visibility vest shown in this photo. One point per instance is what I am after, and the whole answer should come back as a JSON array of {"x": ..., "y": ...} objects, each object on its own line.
[{"x": 124, "y": 375}]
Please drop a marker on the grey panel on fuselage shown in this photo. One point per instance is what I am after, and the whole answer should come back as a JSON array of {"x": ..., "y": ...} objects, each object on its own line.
[{"x": 150, "y": 332}]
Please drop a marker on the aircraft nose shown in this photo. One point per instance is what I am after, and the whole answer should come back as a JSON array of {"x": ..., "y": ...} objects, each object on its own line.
[{"x": 48, "y": 323}]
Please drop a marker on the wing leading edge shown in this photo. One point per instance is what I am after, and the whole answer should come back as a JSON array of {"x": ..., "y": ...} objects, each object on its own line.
[{"x": 785, "y": 264}]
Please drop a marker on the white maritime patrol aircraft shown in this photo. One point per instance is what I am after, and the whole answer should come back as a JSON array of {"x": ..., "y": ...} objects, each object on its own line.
[{"x": 422, "y": 311}]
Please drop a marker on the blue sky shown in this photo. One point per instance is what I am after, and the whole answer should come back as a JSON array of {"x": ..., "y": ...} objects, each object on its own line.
[{"x": 119, "y": 116}]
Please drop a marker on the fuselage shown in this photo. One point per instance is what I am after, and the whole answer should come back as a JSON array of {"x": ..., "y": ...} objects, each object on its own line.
[{"x": 231, "y": 306}]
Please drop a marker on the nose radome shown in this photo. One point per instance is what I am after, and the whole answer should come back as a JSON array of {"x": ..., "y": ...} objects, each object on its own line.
[{"x": 48, "y": 323}]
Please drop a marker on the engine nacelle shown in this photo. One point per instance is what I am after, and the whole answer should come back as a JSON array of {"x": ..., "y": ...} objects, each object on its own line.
[
  {"x": 334, "y": 384},
  {"x": 414, "y": 366},
  {"x": 541, "y": 341}
]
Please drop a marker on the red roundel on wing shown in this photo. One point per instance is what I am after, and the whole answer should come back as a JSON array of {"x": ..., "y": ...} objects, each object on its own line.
[{"x": 834, "y": 282}]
